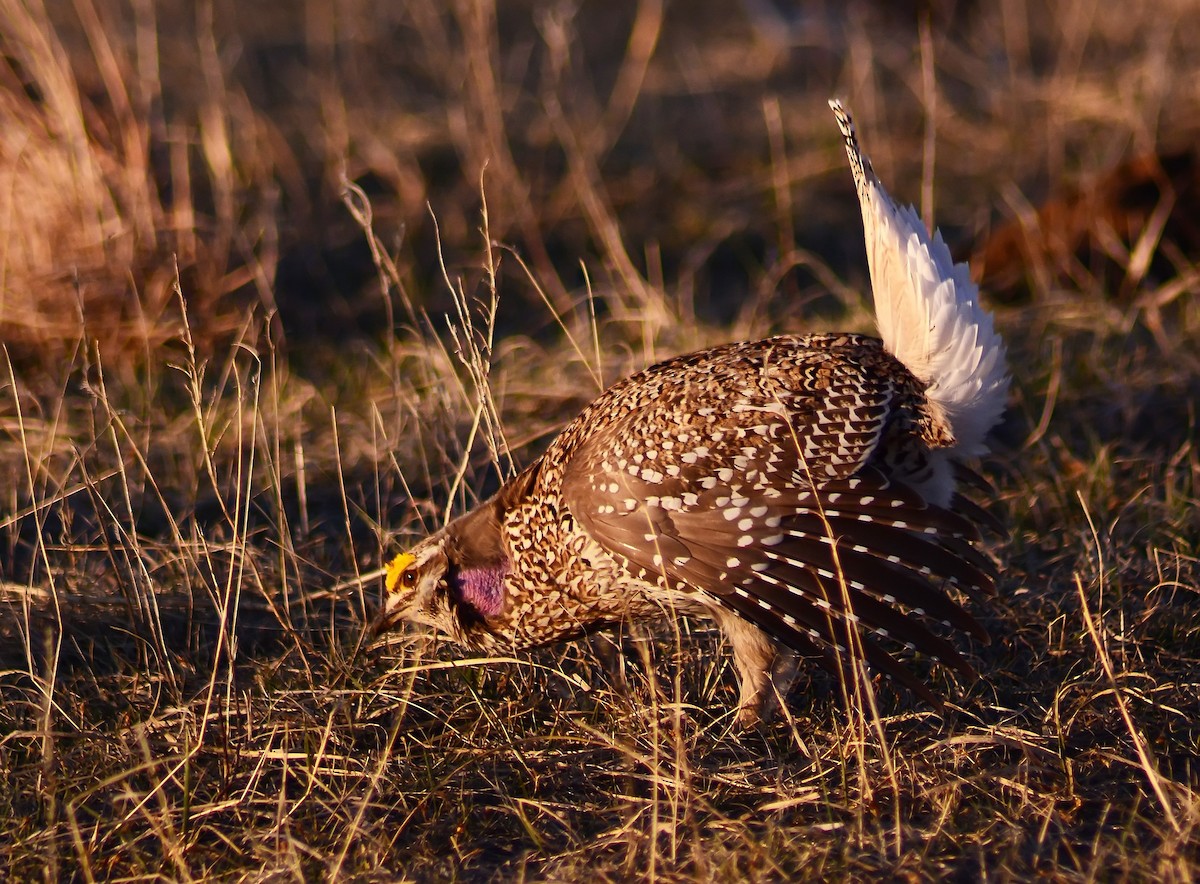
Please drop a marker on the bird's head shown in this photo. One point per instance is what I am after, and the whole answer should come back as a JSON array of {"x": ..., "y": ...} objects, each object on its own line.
[
  {"x": 453, "y": 581},
  {"x": 417, "y": 589}
]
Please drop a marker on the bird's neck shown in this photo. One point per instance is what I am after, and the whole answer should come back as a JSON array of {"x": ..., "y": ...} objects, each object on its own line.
[{"x": 482, "y": 588}]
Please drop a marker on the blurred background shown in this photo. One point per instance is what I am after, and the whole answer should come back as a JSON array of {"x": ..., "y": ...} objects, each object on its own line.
[{"x": 684, "y": 143}]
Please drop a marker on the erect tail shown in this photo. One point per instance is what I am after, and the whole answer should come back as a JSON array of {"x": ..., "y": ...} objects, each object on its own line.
[{"x": 928, "y": 309}]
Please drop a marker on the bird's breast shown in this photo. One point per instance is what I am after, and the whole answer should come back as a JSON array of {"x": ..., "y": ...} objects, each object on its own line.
[{"x": 562, "y": 582}]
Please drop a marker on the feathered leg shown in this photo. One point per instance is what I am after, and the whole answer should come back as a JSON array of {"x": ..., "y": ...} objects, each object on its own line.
[{"x": 753, "y": 655}]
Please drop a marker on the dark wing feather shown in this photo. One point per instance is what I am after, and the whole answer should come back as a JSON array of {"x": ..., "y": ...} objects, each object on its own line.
[{"x": 977, "y": 514}]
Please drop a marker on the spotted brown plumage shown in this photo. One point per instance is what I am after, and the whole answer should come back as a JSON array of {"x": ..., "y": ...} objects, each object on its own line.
[{"x": 799, "y": 489}]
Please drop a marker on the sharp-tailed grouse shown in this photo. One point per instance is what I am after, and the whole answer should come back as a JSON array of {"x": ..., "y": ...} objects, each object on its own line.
[{"x": 799, "y": 490}]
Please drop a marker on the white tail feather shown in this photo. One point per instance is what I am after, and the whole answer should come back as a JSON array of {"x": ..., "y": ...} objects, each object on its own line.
[{"x": 928, "y": 309}]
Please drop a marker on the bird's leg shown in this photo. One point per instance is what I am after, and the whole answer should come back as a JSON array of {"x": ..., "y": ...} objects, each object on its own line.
[
  {"x": 753, "y": 654},
  {"x": 783, "y": 676},
  {"x": 611, "y": 656}
]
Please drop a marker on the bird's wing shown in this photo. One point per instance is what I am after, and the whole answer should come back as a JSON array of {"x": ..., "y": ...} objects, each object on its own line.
[{"x": 777, "y": 514}]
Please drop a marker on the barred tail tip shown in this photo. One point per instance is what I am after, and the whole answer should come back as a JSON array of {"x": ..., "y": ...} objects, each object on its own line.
[{"x": 928, "y": 309}]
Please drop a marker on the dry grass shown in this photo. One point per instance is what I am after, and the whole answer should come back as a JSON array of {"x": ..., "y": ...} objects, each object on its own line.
[{"x": 221, "y": 403}]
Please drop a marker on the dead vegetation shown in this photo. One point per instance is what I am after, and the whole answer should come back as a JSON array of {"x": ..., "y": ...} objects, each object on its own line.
[{"x": 221, "y": 403}]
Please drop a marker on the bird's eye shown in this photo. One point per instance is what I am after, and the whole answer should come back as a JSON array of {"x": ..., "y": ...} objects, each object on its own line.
[{"x": 402, "y": 573}]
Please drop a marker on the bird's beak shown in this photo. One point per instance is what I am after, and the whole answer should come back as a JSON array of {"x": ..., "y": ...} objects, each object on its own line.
[
  {"x": 381, "y": 625},
  {"x": 389, "y": 615}
]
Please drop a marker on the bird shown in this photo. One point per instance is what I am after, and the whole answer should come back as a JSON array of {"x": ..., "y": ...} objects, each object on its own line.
[{"x": 800, "y": 491}]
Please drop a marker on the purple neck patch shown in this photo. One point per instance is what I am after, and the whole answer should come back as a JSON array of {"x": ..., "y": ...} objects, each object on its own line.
[{"x": 482, "y": 588}]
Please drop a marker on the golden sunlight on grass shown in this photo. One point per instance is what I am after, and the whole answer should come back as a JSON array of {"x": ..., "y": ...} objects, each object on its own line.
[{"x": 282, "y": 286}]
